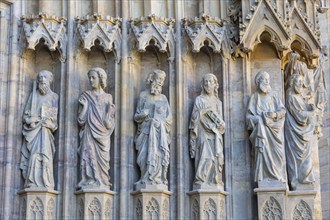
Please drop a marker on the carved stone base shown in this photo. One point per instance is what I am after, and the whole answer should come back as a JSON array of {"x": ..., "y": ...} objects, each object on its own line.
[
  {"x": 301, "y": 203},
  {"x": 36, "y": 203},
  {"x": 95, "y": 204},
  {"x": 271, "y": 202},
  {"x": 151, "y": 204},
  {"x": 207, "y": 203}
]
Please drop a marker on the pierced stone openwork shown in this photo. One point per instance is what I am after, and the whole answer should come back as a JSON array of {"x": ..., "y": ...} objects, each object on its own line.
[
  {"x": 49, "y": 28},
  {"x": 102, "y": 29},
  {"x": 152, "y": 209},
  {"x": 210, "y": 209},
  {"x": 37, "y": 208},
  {"x": 272, "y": 210},
  {"x": 95, "y": 209},
  {"x": 302, "y": 211},
  {"x": 154, "y": 30}
]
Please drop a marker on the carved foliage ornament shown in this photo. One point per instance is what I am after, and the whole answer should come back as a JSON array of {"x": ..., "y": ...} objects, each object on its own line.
[
  {"x": 216, "y": 32},
  {"x": 105, "y": 29},
  {"x": 158, "y": 29},
  {"x": 49, "y": 28}
]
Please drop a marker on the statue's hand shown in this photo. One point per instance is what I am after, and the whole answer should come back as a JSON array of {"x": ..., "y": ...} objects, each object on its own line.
[
  {"x": 145, "y": 112},
  {"x": 83, "y": 101},
  {"x": 32, "y": 120},
  {"x": 271, "y": 115},
  {"x": 192, "y": 153}
]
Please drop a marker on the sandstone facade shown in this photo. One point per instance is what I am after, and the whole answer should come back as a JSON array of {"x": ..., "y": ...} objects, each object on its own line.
[{"x": 233, "y": 39}]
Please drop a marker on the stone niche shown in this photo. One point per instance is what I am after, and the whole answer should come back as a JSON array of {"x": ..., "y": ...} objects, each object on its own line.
[{"x": 98, "y": 39}]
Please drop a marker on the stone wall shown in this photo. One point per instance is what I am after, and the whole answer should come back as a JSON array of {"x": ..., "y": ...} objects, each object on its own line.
[{"x": 255, "y": 43}]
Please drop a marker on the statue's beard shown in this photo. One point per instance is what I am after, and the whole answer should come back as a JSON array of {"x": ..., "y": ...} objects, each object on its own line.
[
  {"x": 43, "y": 88},
  {"x": 265, "y": 88},
  {"x": 155, "y": 89}
]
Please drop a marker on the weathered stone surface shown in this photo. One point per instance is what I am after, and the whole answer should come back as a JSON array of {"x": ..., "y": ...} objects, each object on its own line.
[
  {"x": 234, "y": 40},
  {"x": 265, "y": 117},
  {"x": 97, "y": 120},
  {"x": 206, "y": 130},
  {"x": 153, "y": 116},
  {"x": 39, "y": 124}
]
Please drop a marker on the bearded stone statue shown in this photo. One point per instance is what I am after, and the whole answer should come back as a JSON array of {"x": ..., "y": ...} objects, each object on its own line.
[
  {"x": 154, "y": 118},
  {"x": 39, "y": 124},
  {"x": 206, "y": 130},
  {"x": 265, "y": 118}
]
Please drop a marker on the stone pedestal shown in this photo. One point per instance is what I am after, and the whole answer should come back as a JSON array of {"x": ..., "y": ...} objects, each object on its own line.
[
  {"x": 36, "y": 203},
  {"x": 151, "y": 202},
  {"x": 95, "y": 204},
  {"x": 301, "y": 204},
  {"x": 271, "y": 202},
  {"x": 207, "y": 203}
]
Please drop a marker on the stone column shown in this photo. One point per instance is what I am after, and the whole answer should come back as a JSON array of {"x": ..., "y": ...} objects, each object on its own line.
[{"x": 38, "y": 203}]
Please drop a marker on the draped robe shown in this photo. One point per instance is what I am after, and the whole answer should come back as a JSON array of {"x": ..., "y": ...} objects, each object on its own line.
[
  {"x": 206, "y": 140},
  {"x": 153, "y": 137},
  {"x": 267, "y": 136},
  {"x": 94, "y": 136},
  {"x": 299, "y": 131},
  {"x": 38, "y": 148}
]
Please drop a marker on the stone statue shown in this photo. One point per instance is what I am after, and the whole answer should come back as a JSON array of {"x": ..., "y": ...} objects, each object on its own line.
[
  {"x": 299, "y": 129},
  {"x": 39, "y": 124},
  {"x": 265, "y": 117},
  {"x": 97, "y": 121},
  {"x": 206, "y": 129},
  {"x": 154, "y": 118}
]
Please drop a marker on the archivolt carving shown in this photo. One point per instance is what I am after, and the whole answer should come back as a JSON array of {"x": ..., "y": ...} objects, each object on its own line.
[
  {"x": 302, "y": 211},
  {"x": 215, "y": 32},
  {"x": 210, "y": 209},
  {"x": 158, "y": 29},
  {"x": 152, "y": 209},
  {"x": 272, "y": 209},
  {"x": 49, "y": 28},
  {"x": 105, "y": 29},
  {"x": 50, "y": 208},
  {"x": 37, "y": 208},
  {"x": 95, "y": 208}
]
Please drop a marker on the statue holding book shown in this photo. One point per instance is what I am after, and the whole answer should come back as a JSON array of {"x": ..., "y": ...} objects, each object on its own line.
[
  {"x": 154, "y": 118},
  {"x": 206, "y": 130},
  {"x": 39, "y": 124}
]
